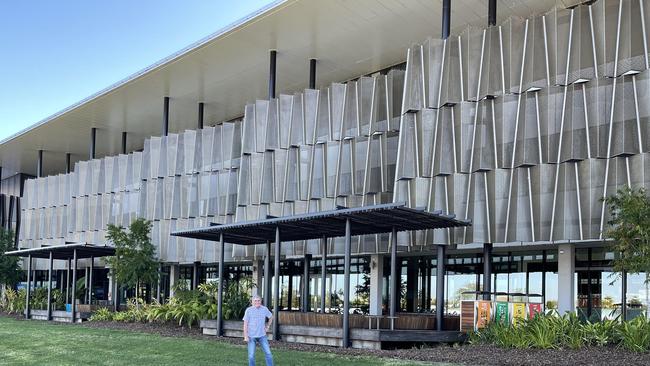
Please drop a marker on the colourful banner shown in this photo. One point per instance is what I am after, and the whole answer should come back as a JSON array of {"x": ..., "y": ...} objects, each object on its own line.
[
  {"x": 518, "y": 312},
  {"x": 483, "y": 314},
  {"x": 534, "y": 309},
  {"x": 501, "y": 313}
]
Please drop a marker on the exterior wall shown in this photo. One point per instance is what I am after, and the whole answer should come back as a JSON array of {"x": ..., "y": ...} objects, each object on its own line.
[{"x": 521, "y": 128}]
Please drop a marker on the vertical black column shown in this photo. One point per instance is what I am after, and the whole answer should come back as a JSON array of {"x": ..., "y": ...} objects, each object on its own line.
[
  {"x": 276, "y": 287},
  {"x": 290, "y": 286},
  {"x": 29, "y": 286},
  {"x": 124, "y": 136},
  {"x": 158, "y": 284},
  {"x": 267, "y": 274},
  {"x": 90, "y": 281},
  {"x": 200, "y": 119},
  {"x": 116, "y": 292},
  {"x": 394, "y": 281},
  {"x": 411, "y": 284},
  {"x": 446, "y": 18},
  {"x": 312, "y": 73},
  {"x": 39, "y": 164},
  {"x": 67, "y": 163},
  {"x": 272, "y": 56},
  {"x": 67, "y": 282},
  {"x": 220, "y": 289},
  {"x": 306, "y": 303},
  {"x": 165, "y": 121},
  {"x": 440, "y": 286},
  {"x": 346, "y": 285},
  {"x": 487, "y": 270},
  {"x": 49, "y": 286},
  {"x": 74, "y": 285},
  {"x": 623, "y": 296},
  {"x": 492, "y": 12},
  {"x": 323, "y": 272},
  {"x": 93, "y": 138},
  {"x": 195, "y": 275}
]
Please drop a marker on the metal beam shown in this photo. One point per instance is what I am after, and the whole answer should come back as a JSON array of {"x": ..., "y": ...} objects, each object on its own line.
[
  {"x": 487, "y": 270},
  {"x": 29, "y": 286},
  {"x": 492, "y": 12},
  {"x": 312, "y": 73},
  {"x": 446, "y": 18},
  {"x": 93, "y": 140},
  {"x": 276, "y": 289},
  {"x": 39, "y": 164},
  {"x": 165, "y": 120},
  {"x": 220, "y": 288},
  {"x": 74, "y": 285},
  {"x": 124, "y": 136},
  {"x": 306, "y": 303},
  {"x": 272, "y": 57},
  {"x": 440, "y": 287},
  {"x": 49, "y": 286},
  {"x": 394, "y": 282},
  {"x": 323, "y": 271},
  {"x": 200, "y": 117},
  {"x": 346, "y": 285},
  {"x": 267, "y": 274}
]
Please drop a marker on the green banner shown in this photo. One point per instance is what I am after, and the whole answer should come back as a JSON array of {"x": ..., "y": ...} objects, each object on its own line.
[{"x": 501, "y": 313}]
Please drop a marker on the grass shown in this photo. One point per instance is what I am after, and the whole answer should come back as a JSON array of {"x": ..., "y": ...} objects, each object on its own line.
[{"x": 41, "y": 343}]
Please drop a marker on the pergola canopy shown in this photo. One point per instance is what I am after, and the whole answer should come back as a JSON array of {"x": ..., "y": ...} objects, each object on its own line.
[
  {"x": 374, "y": 219},
  {"x": 84, "y": 250}
]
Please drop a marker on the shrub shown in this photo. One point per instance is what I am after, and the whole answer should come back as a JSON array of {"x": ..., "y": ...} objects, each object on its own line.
[
  {"x": 634, "y": 335},
  {"x": 101, "y": 315}
]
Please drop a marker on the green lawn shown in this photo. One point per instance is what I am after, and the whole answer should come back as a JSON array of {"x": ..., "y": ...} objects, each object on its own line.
[{"x": 40, "y": 343}]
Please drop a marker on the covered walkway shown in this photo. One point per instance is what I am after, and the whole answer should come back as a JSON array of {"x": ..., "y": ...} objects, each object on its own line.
[{"x": 345, "y": 222}]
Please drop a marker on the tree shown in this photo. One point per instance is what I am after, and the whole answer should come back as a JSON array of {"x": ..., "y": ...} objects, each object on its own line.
[
  {"x": 134, "y": 263},
  {"x": 629, "y": 227},
  {"x": 10, "y": 272}
]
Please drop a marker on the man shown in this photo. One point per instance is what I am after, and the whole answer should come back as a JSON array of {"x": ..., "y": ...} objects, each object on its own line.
[{"x": 255, "y": 328}]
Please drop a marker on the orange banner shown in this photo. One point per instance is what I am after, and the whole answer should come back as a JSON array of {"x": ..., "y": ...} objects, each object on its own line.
[{"x": 483, "y": 314}]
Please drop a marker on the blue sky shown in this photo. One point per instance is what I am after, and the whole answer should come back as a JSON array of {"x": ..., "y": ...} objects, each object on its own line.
[{"x": 55, "y": 53}]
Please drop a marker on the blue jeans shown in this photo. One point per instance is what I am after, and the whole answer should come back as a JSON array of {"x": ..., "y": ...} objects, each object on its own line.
[{"x": 264, "y": 343}]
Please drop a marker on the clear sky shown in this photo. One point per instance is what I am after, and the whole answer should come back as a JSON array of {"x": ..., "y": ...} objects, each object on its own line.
[{"x": 55, "y": 53}]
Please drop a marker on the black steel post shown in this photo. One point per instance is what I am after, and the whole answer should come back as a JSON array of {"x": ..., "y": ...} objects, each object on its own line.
[
  {"x": 323, "y": 273},
  {"x": 312, "y": 73},
  {"x": 124, "y": 136},
  {"x": 267, "y": 274},
  {"x": 67, "y": 282},
  {"x": 394, "y": 281},
  {"x": 492, "y": 12},
  {"x": 487, "y": 270},
  {"x": 74, "y": 285},
  {"x": 29, "y": 286},
  {"x": 116, "y": 291},
  {"x": 200, "y": 119},
  {"x": 306, "y": 303},
  {"x": 446, "y": 18},
  {"x": 93, "y": 139},
  {"x": 165, "y": 121},
  {"x": 272, "y": 57},
  {"x": 158, "y": 284},
  {"x": 67, "y": 163},
  {"x": 220, "y": 288},
  {"x": 49, "y": 286},
  {"x": 346, "y": 285},
  {"x": 276, "y": 287},
  {"x": 39, "y": 164},
  {"x": 90, "y": 281},
  {"x": 195, "y": 275},
  {"x": 440, "y": 287},
  {"x": 624, "y": 296}
]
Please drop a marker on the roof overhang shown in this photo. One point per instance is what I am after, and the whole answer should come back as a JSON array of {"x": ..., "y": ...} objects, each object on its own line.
[
  {"x": 230, "y": 68},
  {"x": 365, "y": 220},
  {"x": 66, "y": 251}
]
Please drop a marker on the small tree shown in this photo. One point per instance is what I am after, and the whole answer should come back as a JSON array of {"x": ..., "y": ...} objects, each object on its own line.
[
  {"x": 629, "y": 227},
  {"x": 10, "y": 272},
  {"x": 134, "y": 263}
]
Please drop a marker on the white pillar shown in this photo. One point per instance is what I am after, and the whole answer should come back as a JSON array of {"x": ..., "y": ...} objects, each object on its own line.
[
  {"x": 258, "y": 277},
  {"x": 110, "y": 286},
  {"x": 565, "y": 275},
  {"x": 376, "y": 282},
  {"x": 174, "y": 275}
]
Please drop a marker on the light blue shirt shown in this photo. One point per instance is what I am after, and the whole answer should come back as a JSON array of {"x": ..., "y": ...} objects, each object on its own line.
[{"x": 256, "y": 318}]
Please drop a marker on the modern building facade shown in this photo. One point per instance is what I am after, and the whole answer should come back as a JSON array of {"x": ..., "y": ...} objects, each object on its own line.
[{"x": 521, "y": 127}]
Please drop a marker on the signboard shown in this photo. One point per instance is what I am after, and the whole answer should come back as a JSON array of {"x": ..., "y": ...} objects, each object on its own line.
[
  {"x": 483, "y": 314},
  {"x": 518, "y": 312},
  {"x": 501, "y": 313},
  {"x": 534, "y": 309}
]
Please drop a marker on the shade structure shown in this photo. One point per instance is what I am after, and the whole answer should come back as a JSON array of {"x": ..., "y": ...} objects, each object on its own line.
[
  {"x": 66, "y": 251},
  {"x": 374, "y": 219}
]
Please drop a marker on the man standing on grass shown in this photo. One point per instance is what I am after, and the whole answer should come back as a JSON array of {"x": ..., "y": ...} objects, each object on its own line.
[{"x": 255, "y": 328}]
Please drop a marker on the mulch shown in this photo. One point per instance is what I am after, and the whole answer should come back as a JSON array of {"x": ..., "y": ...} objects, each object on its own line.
[{"x": 469, "y": 354}]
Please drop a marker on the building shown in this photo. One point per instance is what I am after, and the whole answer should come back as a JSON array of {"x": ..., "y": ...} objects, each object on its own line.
[{"x": 520, "y": 121}]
